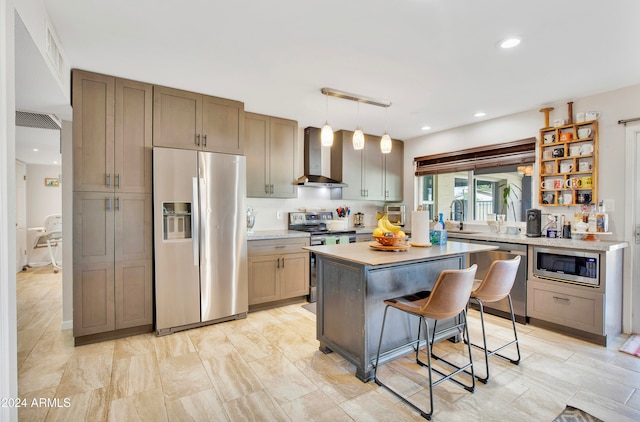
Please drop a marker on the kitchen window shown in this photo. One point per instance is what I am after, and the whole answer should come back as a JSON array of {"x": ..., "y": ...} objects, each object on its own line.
[{"x": 500, "y": 177}]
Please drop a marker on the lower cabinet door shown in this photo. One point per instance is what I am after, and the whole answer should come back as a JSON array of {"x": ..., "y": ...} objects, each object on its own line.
[
  {"x": 93, "y": 299},
  {"x": 133, "y": 293},
  {"x": 294, "y": 274},
  {"x": 264, "y": 285}
]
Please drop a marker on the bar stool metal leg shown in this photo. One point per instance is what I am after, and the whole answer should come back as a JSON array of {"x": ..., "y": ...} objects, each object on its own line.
[{"x": 488, "y": 352}]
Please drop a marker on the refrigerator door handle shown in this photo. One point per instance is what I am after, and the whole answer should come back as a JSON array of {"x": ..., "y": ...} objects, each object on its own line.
[{"x": 195, "y": 215}]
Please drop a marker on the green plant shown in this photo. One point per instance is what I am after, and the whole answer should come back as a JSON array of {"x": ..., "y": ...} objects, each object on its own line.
[{"x": 507, "y": 201}]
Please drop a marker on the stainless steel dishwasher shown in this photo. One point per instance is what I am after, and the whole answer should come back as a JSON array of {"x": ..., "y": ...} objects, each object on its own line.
[{"x": 519, "y": 289}]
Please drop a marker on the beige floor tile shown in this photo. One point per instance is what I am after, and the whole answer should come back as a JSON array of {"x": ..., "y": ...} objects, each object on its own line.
[
  {"x": 182, "y": 376},
  {"x": 231, "y": 376},
  {"x": 374, "y": 406},
  {"x": 132, "y": 346},
  {"x": 173, "y": 345},
  {"x": 315, "y": 406},
  {"x": 42, "y": 372},
  {"x": 211, "y": 342},
  {"x": 252, "y": 345},
  {"x": 30, "y": 409},
  {"x": 276, "y": 368},
  {"x": 90, "y": 405},
  {"x": 86, "y": 372},
  {"x": 257, "y": 406},
  {"x": 145, "y": 406},
  {"x": 603, "y": 408},
  {"x": 202, "y": 406},
  {"x": 134, "y": 375}
]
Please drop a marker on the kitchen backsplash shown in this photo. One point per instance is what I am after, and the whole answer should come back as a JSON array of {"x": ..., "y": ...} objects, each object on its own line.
[{"x": 272, "y": 214}]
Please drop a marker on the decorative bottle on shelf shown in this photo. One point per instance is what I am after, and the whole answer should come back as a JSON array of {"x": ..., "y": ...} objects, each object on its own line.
[
  {"x": 592, "y": 222},
  {"x": 602, "y": 219}
]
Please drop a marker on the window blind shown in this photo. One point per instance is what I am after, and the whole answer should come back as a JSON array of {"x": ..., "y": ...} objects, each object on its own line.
[{"x": 522, "y": 151}]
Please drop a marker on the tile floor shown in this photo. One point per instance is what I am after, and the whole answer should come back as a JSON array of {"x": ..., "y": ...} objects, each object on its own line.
[{"x": 267, "y": 367}]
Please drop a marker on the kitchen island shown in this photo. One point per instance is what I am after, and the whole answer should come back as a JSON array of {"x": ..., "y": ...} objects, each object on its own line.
[{"x": 354, "y": 280}]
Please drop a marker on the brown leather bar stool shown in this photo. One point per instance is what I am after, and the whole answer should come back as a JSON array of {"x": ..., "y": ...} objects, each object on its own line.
[
  {"x": 495, "y": 286},
  {"x": 448, "y": 299}
]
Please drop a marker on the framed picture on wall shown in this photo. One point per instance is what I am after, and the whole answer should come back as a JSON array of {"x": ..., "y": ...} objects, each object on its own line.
[{"x": 51, "y": 182}]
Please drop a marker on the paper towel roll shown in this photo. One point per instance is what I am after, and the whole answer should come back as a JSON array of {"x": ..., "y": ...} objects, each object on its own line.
[{"x": 420, "y": 228}]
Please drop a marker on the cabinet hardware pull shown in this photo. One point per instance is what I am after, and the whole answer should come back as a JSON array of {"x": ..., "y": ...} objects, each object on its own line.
[
  {"x": 271, "y": 189},
  {"x": 564, "y": 299},
  {"x": 281, "y": 246},
  {"x": 108, "y": 203},
  {"x": 118, "y": 180},
  {"x": 109, "y": 180},
  {"x": 198, "y": 139},
  {"x": 117, "y": 203},
  {"x": 278, "y": 263},
  {"x": 282, "y": 262},
  {"x": 205, "y": 141},
  {"x": 266, "y": 188}
]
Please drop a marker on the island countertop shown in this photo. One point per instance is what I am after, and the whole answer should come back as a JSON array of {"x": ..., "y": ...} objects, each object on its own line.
[{"x": 362, "y": 253}]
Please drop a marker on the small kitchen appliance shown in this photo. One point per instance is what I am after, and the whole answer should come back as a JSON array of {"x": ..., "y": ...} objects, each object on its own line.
[
  {"x": 395, "y": 213},
  {"x": 534, "y": 222}
]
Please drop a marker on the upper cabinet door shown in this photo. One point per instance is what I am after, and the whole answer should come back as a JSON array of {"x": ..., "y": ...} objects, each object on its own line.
[
  {"x": 93, "y": 132},
  {"x": 373, "y": 169},
  {"x": 346, "y": 165},
  {"x": 394, "y": 172},
  {"x": 177, "y": 118},
  {"x": 133, "y": 137},
  {"x": 284, "y": 139},
  {"x": 256, "y": 128},
  {"x": 222, "y": 125}
]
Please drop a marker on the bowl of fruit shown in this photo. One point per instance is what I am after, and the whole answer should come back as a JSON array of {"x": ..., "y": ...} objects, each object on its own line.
[{"x": 388, "y": 234}]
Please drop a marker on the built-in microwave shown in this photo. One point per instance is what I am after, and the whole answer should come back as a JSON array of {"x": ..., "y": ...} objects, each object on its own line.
[{"x": 568, "y": 266}]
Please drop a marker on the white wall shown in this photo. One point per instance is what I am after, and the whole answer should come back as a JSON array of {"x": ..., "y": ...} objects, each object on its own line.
[
  {"x": 614, "y": 105},
  {"x": 8, "y": 339},
  {"x": 42, "y": 200}
]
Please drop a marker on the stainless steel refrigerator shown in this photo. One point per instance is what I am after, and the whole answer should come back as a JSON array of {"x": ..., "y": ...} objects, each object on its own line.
[{"x": 200, "y": 238}]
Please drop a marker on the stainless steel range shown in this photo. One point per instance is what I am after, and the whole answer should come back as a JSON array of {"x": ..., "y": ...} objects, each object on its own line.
[{"x": 315, "y": 224}]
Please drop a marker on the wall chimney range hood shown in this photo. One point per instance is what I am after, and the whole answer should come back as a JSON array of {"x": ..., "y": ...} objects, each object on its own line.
[{"x": 313, "y": 162}]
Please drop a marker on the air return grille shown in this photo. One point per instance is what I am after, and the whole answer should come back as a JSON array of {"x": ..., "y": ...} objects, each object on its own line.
[{"x": 41, "y": 121}]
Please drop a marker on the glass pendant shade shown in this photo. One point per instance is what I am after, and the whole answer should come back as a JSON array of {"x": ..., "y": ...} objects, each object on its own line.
[
  {"x": 358, "y": 139},
  {"x": 385, "y": 143},
  {"x": 326, "y": 135}
]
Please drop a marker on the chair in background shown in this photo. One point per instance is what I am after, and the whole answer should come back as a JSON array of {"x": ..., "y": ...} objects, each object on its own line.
[
  {"x": 495, "y": 286},
  {"x": 448, "y": 299},
  {"x": 50, "y": 237}
]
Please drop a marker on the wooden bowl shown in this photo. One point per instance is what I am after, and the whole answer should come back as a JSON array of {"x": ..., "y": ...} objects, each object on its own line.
[{"x": 390, "y": 241}]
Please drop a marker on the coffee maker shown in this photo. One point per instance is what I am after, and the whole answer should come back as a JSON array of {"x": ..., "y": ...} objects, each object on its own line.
[{"x": 534, "y": 223}]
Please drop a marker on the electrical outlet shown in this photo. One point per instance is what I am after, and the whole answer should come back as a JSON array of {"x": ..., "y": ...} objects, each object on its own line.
[
  {"x": 279, "y": 215},
  {"x": 609, "y": 205}
]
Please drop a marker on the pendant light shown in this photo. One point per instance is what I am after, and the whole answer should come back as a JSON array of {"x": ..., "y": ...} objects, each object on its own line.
[
  {"x": 358, "y": 135},
  {"x": 385, "y": 141},
  {"x": 326, "y": 135}
]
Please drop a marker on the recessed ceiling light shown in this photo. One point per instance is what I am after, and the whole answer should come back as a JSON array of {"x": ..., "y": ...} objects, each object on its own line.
[
  {"x": 35, "y": 150},
  {"x": 55, "y": 162},
  {"x": 509, "y": 42},
  {"x": 425, "y": 127},
  {"x": 480, "y": 114}
]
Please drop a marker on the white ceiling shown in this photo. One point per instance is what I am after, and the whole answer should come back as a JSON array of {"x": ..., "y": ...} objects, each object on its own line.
[{"x": 437, "y": 61}]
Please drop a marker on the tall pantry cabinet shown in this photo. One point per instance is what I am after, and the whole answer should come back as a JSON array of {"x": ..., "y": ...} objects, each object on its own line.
[{"x": 112, "y": 207}]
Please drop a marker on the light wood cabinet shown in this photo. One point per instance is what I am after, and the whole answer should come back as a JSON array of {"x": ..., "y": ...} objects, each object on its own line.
[
  {"x": 569, "y": 165},
  {"x": 112, "y": 136},
  {"x": 394, "y": 172},
  {"x": 188, "y": 120},
  {"x": 278, "y": 270},
  {"x": 112, "y": 262},
  {"x": 369, "y": 174},
  {"x": 112, "y": 236},
  {"x": 271, "y": 153}
]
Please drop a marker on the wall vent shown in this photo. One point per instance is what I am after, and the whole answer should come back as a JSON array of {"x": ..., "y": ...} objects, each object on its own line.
[
  {"x": 53, "y": 50},
  {"x": 36, "y": 120}
]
